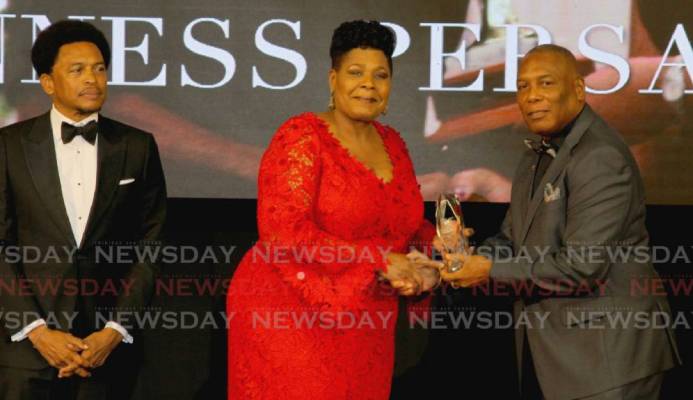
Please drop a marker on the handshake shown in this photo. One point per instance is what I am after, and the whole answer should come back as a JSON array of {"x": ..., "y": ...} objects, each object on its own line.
[{"x": 414, "y": 273}]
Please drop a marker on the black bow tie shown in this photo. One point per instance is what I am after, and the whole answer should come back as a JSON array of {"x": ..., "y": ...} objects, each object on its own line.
[
  {"x": 542, "y": 147},
  {"x": 88, "y": 132}
]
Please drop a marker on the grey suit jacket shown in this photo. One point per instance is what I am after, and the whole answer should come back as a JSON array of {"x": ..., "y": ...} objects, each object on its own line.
[{"x": 578, "y": 245}]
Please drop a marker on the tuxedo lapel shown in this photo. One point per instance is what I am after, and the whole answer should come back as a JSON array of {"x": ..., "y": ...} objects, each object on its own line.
[
  {"x": 557, "y": 166},
  {"x": 110, "y": 159},
  {"x": 39, "y": 152}
]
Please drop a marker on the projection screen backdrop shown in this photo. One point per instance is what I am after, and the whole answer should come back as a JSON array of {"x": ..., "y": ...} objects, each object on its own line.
[{"x": 213, "y": 79}]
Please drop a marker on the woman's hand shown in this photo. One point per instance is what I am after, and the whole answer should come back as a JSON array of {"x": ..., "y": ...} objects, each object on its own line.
[
  {"x": 403, "y": 275},
  {"x": 427, "y": 268}
]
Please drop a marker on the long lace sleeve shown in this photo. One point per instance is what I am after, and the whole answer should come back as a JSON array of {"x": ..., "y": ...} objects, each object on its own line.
[
  {"x": 303, "y": 253},
  {"x": 422, "y": 241}
]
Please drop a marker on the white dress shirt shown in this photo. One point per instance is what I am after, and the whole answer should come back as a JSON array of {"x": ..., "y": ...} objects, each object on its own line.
[
  {"x": 77, "y": 165},
  {"x": 77, "y": 170}
]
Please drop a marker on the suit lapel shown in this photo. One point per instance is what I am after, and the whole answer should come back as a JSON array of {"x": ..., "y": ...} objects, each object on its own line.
[
  {"x": 110, "y": 159},
  {"x": 557, "y": 166},
  {"x": 522, "y": 185},
  {"x": 39, "y": 152}
]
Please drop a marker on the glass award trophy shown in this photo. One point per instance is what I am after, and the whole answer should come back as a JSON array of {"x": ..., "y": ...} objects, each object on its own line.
[{"x": 450, "y": 228}]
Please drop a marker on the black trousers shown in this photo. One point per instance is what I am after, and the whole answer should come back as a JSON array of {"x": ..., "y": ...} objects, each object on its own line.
[
  {"x": 22, "y": 384},
  {"x": 115, "y": 380},
  {"x": 529, "y": 386}
]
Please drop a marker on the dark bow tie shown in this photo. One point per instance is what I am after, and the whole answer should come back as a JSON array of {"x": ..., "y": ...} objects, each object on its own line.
[
  {"x": 88, "y": 132},
  {"x": 542, "y": 147}
]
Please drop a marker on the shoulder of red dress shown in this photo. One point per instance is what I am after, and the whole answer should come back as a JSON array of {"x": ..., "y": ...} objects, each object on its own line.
[
  {"x": 306, "y": 122},
  {"x": 300, "y": 131},
  {"x": 306, "y": 117}
]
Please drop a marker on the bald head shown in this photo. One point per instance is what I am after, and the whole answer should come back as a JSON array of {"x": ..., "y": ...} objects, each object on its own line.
[{"x": 550, "y": 90}]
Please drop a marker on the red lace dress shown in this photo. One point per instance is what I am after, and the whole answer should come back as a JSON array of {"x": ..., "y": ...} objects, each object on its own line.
[{"x": 308, "y": 318}]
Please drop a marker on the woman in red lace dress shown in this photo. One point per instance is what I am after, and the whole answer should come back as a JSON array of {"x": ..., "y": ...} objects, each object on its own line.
[{"x": 338, "y": 203}]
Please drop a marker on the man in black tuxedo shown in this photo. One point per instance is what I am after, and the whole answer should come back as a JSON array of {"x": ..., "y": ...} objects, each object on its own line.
[{"x": 74, "y": 185}]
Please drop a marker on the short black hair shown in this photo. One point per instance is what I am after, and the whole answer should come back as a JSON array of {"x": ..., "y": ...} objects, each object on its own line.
[
  {"x": 361, "y": 34},
  {"x": 48, "y": 43},
  {"x": 555, "y": 49}
]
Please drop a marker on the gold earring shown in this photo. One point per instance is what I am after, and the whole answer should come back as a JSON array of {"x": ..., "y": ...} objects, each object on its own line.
[
  {"x": 384, "y": 110},
  {"x": 330, "y": 105}
]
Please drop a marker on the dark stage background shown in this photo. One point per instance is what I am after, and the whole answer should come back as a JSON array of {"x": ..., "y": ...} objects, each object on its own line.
[{"x": 191, "y": 364}]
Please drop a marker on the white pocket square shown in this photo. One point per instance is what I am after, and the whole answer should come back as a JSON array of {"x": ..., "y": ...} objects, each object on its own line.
[
  {"x": 551, "y": 193},
  {"x": 126, "y": 181}
]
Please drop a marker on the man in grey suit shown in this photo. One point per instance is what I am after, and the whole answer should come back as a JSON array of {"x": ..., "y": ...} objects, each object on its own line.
[{"x": 575, "y": 243}]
